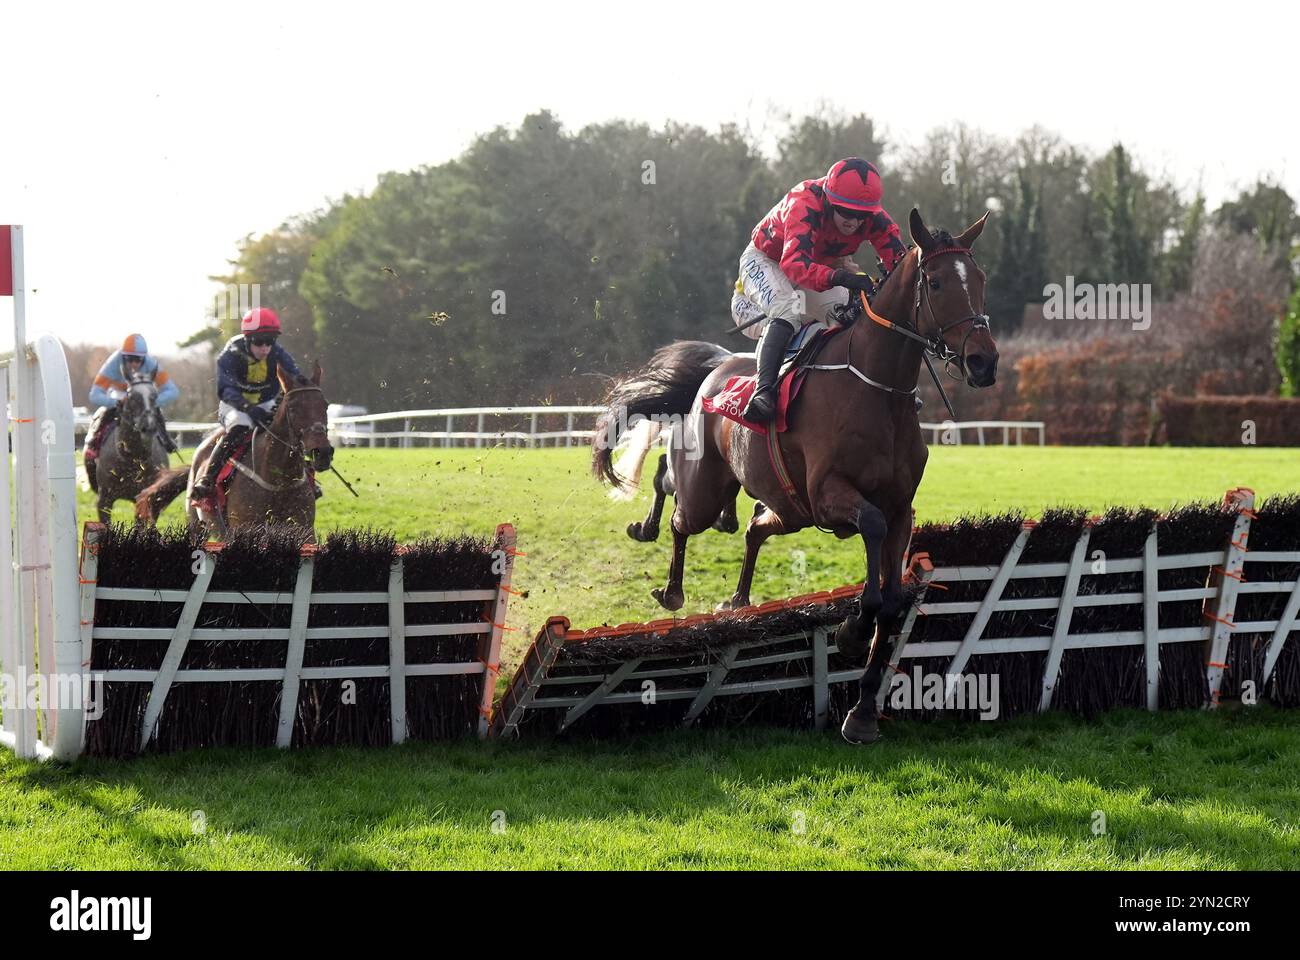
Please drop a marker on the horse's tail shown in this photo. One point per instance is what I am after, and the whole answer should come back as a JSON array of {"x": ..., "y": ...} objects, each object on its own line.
[
  {"x": 153, "y": 499},
  {"x": 663, "y": 387},
  {"x": 632, "y": 458}
]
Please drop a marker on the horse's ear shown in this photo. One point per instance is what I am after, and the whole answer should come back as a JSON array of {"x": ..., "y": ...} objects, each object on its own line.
[
  {"x": 285, "y": 381},
  {"x": 920, "y": 232},
  {"x": 315, "y": 372},
  {"x": 967, "y": 238}
]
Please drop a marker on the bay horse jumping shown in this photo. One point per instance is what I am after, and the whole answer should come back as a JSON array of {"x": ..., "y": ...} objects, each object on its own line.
[
  {"x": 854, "y": 453},
  {"x": 131, "y": 455},
  {"x": 272, "y": 483}
]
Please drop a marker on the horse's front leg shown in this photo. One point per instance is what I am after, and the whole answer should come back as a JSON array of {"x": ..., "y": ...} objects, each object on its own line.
[
  {"x": 839, "y": 506},
  {"x": 891, "y": 609}
]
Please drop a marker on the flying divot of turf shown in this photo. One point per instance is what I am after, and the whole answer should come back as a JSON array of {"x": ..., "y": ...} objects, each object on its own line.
[{"x": 1008, "y": 617}]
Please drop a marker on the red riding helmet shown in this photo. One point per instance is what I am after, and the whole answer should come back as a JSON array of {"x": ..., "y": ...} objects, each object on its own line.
[
  {"x": 260, "y": 320},
  {"x": 854, "y": 183}
]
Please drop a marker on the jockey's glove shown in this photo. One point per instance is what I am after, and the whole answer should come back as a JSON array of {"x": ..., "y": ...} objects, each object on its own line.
[
  {"x": 853, "y": 281},
  {"x": 259, "y": 416}
]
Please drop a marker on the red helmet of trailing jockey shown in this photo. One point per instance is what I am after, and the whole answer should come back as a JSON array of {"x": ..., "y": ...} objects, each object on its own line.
[
  {"x": 260, "y": 320},
  {"x": 854, "y": 183},
  {"x": 134, "y": 346}
]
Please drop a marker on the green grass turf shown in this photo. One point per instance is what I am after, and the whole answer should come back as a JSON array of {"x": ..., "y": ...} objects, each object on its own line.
[
  {"x": 1176, "y": 791},
  {"x": 1187, "y": 790}
]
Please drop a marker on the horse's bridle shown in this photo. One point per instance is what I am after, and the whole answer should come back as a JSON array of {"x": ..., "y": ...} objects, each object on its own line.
[
  {"x": 138, "y": 379},
  {"x": 938, "y": 345},
  {"x": 316, "y": 427}
]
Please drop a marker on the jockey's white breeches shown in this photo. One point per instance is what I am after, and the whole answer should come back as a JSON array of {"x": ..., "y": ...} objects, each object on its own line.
[
  {"x": 229, "y": 417},
  {"x": 763, "y": 288}
]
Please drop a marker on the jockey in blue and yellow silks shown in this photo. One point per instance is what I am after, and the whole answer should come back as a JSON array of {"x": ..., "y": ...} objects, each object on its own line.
[
  {"x": 248, "y": 391},
  {"x": 112, "y": 383}
]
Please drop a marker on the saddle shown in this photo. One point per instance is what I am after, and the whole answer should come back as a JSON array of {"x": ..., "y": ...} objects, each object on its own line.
[{"x": 804, "y": 349}]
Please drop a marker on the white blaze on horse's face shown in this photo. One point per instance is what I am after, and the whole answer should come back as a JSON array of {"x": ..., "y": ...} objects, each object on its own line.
[{"x": 960, "y": 264}]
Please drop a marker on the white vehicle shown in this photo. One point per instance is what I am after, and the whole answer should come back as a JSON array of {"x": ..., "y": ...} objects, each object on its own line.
[{"x": 345, "y": 434}]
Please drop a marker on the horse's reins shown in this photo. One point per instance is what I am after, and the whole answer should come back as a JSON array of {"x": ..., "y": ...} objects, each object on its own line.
[
  {"x": 299, "y": 448},
  {"x": 936, "y": 346}
]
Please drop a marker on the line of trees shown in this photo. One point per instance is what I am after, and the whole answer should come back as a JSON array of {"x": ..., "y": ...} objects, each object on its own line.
[{"x": 542, "y": 260}]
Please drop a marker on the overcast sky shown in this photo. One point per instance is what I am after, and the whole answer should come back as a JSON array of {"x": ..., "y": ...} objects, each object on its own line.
[{"x": 139, "y": 142}]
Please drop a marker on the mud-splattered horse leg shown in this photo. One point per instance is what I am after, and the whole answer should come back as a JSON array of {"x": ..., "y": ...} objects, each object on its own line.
[
  {"x": 104, "y": 505},
  {"x": 647, "y": 530}
]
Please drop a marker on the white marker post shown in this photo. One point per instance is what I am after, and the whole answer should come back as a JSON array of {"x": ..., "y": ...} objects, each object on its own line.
[{"x": 38, "y": 551}]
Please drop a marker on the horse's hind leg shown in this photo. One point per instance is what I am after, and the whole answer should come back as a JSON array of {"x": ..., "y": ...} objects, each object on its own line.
[
  {"x": 647, "y": 530},
  {"x": 763, "y": 524},
  {"x": 692, "y": 514},
  {"x": 727, "y": 521},
  {"x": 671, "y": 597}
]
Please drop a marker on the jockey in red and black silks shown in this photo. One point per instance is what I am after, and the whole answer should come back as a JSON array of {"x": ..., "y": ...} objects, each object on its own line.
[{"x": 799, "y": 263}]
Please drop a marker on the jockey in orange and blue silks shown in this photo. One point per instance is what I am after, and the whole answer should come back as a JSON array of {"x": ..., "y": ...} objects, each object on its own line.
[
  {"x": 112, "y": 384},
  {"x": 799, "y": 263}
]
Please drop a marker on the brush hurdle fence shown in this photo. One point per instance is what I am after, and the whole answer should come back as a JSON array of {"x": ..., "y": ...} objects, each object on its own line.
[
  {"x": 1080, "y": 614},
  {"x": 263, "y": 641}
]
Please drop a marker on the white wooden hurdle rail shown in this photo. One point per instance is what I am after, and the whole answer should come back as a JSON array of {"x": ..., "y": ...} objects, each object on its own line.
[
  {"x": 532, "y": 437},
  {"x": 1219, "y": 596},
  {"x": 345, "y": 428},
  {"x": 298, "y": 635}
]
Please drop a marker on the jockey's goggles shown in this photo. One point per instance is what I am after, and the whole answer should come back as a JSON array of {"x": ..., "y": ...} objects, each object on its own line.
[
  {"x": 261, "y": 339},
  {"x": 848, "y": 214}
]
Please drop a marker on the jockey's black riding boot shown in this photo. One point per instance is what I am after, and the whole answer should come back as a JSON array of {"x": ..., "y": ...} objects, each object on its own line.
[
  {"x": 164, "y": 437},
  {"x": 771, "y": 351},
  {"x": 205, "y": 487}
]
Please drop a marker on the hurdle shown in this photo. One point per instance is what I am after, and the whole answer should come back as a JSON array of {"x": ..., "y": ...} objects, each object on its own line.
[{"x": 1069, "y": 613}]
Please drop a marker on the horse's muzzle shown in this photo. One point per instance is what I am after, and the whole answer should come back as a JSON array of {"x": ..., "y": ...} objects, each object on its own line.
[
  {"x": 981, "y": 369},
  {"x": 321, "y": 458}
]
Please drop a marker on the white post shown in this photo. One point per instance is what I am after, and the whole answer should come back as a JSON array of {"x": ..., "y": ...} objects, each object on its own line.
[
  {"x": 447, "y": 441},
  {"x": 1151, "y": 618},
  {"x": 478, "y": 440},
  {"x": 23, "y": 557},
  {"x": 568, "y": 426},
  {"x": 532, "y": 431},
  {"x": 13, "y": 729}
]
